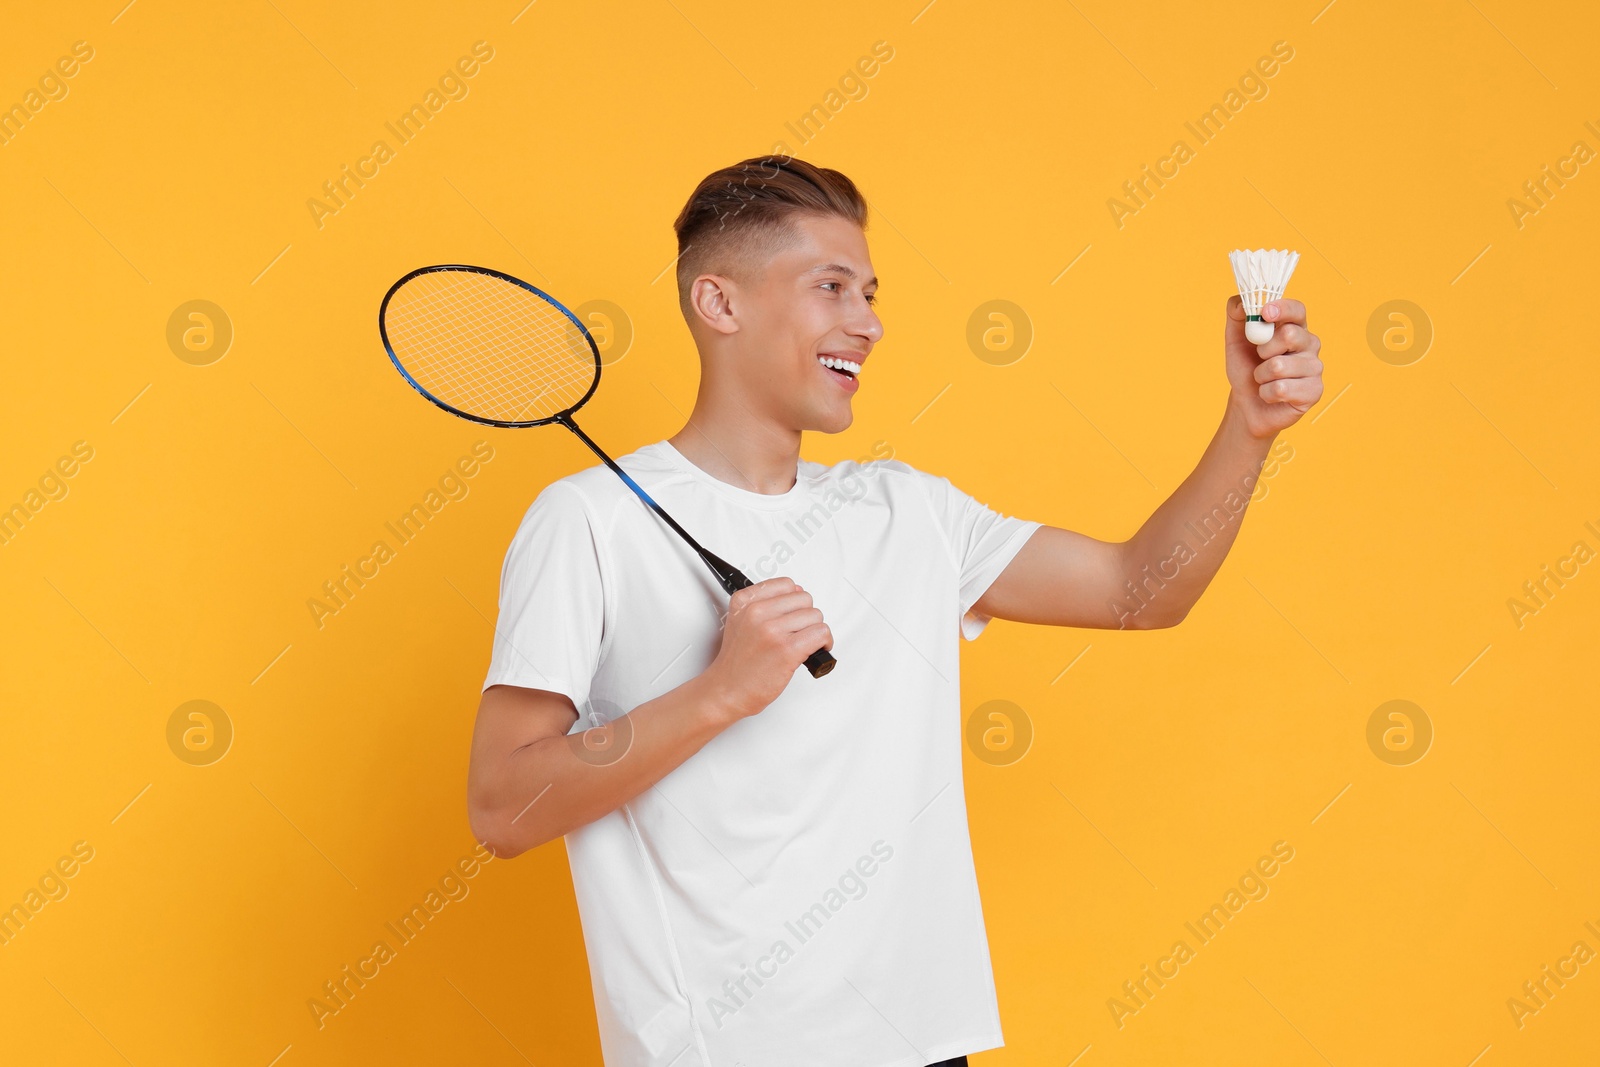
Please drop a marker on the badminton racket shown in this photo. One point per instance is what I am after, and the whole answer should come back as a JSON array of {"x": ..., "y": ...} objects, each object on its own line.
[{"x": 493, "y": 349}]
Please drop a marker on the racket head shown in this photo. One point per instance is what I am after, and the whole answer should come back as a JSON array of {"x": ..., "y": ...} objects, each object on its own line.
[{"x": 487, "y": 346}]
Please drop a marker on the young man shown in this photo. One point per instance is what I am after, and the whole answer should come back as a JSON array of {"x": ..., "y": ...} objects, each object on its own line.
[{"x": 774, "y": 869}]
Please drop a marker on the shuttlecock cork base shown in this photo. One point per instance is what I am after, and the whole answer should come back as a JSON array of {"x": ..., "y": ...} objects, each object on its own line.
[{"x": 1262, "y": 276}]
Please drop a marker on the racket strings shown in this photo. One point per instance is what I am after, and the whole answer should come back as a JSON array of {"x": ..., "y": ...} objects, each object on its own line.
[
  {"x": 497, "y": 346},
  {"x": 501, "y": 320},
  {"x": 488, "y": 347}
]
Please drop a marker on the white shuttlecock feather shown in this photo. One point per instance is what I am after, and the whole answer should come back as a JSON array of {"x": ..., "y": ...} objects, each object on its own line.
[{"x": 1262, "y": 276}]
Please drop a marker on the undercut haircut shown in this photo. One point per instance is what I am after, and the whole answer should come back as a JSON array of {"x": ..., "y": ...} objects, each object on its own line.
[{"x": 739, "y": 217}]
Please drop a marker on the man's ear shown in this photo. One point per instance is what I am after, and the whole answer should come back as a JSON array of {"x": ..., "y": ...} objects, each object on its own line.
[{"x": 711, "y": 302}]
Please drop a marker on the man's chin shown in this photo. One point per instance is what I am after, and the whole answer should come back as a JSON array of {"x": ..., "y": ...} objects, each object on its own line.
[{"x": 833, "y": 422}]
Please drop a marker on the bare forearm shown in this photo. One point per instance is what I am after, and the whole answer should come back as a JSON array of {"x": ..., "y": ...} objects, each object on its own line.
[
  {"x": 1179, "y": 549},
  {"x": 545, "y": 789}
]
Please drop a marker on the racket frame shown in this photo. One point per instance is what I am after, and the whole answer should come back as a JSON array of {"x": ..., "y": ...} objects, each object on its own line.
[{"x": 583, "y": 331}]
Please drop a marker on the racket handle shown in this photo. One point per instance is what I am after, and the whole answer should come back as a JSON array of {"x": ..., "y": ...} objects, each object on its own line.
[
  {"x": 820, "y": 663},
  {"x": 733, "y": 579}
]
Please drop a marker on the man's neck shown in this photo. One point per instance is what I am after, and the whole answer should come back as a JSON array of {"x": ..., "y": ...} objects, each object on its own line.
[{"x": 742, "y": 451}]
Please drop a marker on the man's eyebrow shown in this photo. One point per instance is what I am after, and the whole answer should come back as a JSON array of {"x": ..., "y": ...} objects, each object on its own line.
[{"x": 838, "y": 268}]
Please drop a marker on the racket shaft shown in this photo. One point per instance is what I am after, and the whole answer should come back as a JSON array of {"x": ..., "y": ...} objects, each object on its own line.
[{"x": 731, "y": 578}]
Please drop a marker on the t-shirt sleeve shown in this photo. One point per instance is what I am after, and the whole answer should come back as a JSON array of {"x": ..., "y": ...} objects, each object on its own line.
[
  {"x": 552, "y": 600},
  {"x": 982, "y": 541}
]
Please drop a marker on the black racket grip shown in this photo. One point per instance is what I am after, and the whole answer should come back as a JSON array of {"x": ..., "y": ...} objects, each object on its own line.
[{"x": 820, "y": 663}]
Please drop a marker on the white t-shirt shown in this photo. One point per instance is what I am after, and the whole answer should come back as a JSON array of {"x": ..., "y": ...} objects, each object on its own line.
[{"x": 801, "y": 890}]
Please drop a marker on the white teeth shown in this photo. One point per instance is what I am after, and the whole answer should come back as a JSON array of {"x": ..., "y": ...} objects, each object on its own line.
[{"x": 839, "y": 364}]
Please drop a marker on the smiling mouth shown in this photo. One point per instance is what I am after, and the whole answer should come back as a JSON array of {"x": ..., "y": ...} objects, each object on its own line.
[
  {"x": 843, "y": 367},
  {"x": 842, "y": 371}
]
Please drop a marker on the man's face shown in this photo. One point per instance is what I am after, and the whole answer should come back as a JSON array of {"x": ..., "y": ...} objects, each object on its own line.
[{"x": 813, "y": 301}]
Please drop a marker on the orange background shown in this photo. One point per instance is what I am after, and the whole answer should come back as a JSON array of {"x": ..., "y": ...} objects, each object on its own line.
[{"x": 1376, "y": 565}]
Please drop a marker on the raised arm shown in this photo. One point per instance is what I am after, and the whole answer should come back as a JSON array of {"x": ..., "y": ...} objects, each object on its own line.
[{"x": 1151, "y": 580}]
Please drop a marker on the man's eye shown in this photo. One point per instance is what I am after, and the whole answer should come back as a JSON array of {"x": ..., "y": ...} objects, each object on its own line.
[
  {"x": 826, "y": 284},
  {"x": 872, "y": 298}
]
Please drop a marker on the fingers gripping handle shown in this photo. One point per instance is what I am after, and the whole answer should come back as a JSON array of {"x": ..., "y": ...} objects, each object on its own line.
[{"x": 733, "y": 579}]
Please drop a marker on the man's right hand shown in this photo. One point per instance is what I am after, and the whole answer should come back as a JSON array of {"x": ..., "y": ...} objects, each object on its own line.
[{"x": 771, "y": 629}]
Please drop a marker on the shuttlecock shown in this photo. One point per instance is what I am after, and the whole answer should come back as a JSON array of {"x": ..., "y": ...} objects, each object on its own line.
[{"x": 1262, "y": 276}]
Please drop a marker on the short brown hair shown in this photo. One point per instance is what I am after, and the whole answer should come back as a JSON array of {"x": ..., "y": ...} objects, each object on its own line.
[{"x": 741, "y": 215}]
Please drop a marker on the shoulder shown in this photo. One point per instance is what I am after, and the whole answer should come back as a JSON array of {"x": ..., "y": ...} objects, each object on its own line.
[
  {"x": 893, "y": 480},
  {"x": 595, "y": 492},
  {"x": 886, "y": 471},
  {"x": 892, "y": 483}
]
